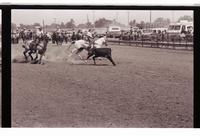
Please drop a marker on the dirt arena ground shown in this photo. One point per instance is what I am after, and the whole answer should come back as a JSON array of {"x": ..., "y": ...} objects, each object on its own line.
[
  {"x": 149, "y": 87},
  {"x": 0, "y": 93}
]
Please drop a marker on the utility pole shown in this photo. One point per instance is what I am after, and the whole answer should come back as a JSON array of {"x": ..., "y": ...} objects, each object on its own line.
[
  {"x": 116, "y": 16},
  {"x": 93, "y": 13},
  {"x": 87, "y": 19},
  {"x": 128, "y": 17},
  {"x": 43, "y": 25},
  {"x": 55, "y": 21},
  {"x": 172, "y": 16},
  {"x": 150, "y": 18}
]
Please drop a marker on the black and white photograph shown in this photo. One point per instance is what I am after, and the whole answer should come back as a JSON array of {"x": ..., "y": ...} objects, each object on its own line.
[
  {"x": 0, "y": 62},
  {"x": 78, "y": 68}
]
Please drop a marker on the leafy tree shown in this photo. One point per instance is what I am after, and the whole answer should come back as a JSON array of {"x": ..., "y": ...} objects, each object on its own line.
[
  {"x": 70, "y": 24},
  {"x": 102, "y": 22},
  {"x": 185, "y": 17},
  {"x": 62, "y": 25},
  {"x": 141, "y": 25},
  {"x": 82, "y": 26},
  {"x": 36, "y": 24},
  {"x": 148, "y": 25},
  {"x": 132, "y": 23},
  {"x": 54, "y": 25},
  {"x": 89, "y": 25},
  {"x": 161, "y": 22},
  {"x": 21, "y": 25}
]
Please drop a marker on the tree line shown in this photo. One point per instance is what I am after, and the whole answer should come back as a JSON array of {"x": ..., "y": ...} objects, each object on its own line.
[{"x": 103, "y": 22}]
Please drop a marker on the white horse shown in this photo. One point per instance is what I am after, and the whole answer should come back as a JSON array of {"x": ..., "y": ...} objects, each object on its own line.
[{"x": 80, "y": 45}]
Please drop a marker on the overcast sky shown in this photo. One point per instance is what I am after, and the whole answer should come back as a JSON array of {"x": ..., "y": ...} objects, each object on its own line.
[
  {"x": 80, "y": 16},
  {"x": 0, "y": 17}
]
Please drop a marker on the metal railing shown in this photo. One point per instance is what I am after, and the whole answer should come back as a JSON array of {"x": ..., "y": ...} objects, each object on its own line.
[{"x": 157, "y": 41}]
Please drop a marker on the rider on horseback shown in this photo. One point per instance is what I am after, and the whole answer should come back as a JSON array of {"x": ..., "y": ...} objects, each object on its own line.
[
  {"x": 79, "y": 35},
  {"x": 38, "y": 38},
  {"x": 73, "y": 36},
  {"x": 90, "y": 38}
]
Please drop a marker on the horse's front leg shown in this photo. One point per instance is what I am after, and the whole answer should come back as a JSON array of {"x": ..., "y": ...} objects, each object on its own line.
[
  {"x": 56, "y": 42},
  {"x": 78, "y": 53},
  {"x": 72, "y": 52},
  {"x": 69, "y": 46},
  {"x": 82, "y": 58},
  {"x": 25, "y": 54},
  {"x": 40, "y": 60},
  {"x": 30, "y": 55},
  {"x": 36, "y": 55},
  {"x": 89, "y": 55},
  {"x": 94, "y": 59}
]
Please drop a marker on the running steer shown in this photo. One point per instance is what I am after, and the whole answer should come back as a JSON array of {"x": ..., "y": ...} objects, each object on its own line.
[{"x": 100, "y": 52}]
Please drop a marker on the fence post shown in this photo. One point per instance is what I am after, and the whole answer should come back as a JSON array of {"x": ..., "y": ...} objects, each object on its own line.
[
  {"x": 142, "y": 40},
  {"x": 167, "y": 40},
  {"x": 157, "y": 40},
  {"x": 173, "y": 39},
  {"x": 192, "y": 41},
  {"x": 135, "y": 39},
  {"x": 163, "y": 36},
  {"x": 186, "y": 46}
]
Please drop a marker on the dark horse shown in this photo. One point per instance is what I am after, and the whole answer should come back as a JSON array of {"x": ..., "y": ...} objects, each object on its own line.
[
  {"x": 25, "y": 36},
  {"x": 53, "y": 37},
  {"x": 22, "y": 36},
  {"x": 58, "y": 38},
  {"x": 33, "y": 47}
]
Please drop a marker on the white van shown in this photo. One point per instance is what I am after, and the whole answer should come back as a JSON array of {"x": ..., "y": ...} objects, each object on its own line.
[
  {"x": 180, "y": 28},
  {"x": 113, "y": 31}
]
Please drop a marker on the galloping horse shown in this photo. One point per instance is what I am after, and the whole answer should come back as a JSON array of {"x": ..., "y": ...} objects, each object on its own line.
[
  {"x": 42, "y": 48},
  {"x": 32, "y": 46},
  {"x": 53, "y": 37},
  {"x": 59, "y": 38},
  {"x": 22, "y": 36},
  {"x": 80, "y": 45},
  {"x": 25, "y": 36}
]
